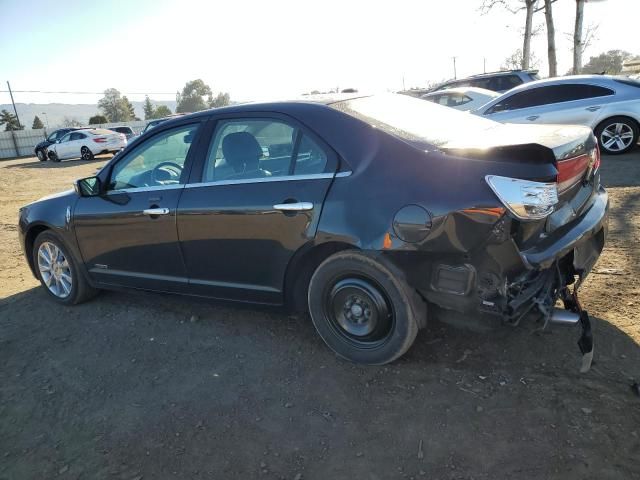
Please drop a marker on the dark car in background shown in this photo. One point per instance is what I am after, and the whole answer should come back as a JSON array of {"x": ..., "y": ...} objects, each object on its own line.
[
  {"x": 371, "y": 213},
  {"x": 41, "y": 148},
  {"x": 158, "y": 121},
  {"x": 127, "y": 131},
  {"x": 495, "y": 81}
]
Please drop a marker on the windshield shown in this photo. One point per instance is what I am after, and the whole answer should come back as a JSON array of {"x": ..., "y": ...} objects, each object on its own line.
[{"x": 414, "y": 119}]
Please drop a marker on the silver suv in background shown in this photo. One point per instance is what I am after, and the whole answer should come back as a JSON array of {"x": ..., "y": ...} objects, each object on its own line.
[{"x": 609, "y": 105}]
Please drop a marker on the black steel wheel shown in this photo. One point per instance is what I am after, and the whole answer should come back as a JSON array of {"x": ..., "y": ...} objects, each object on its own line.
[
  {"x": 86, "y": 154},
  {"x": 363, "y": 309}
]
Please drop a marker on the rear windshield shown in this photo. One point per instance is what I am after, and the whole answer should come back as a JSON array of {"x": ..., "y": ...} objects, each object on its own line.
[
  {"x": 100, "y": 131},
  {"x": 628, "y": 81},
  {"x": 414, "y": 119}
]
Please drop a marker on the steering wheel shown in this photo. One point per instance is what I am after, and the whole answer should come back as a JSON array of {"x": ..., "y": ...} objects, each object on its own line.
[{"x": 166, "y": 171}]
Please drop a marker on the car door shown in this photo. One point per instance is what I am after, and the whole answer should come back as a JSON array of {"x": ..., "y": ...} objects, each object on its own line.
[
  {"x": 127, "y": 235},
  {"x": 74, "y": 144},
  {"x": 254, "y": 201},
  {"x": 63, "y": 146}
]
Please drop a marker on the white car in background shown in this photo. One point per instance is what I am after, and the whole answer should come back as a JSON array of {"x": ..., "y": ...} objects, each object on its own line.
[
  {"x": 461, "y": 98},
  {"x": 86, "y": 143},
  {"x": 609, "y": 105}
]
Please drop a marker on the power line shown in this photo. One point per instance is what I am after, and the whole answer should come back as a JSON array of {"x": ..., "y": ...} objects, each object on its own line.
[{"x": 89, "y": 93}]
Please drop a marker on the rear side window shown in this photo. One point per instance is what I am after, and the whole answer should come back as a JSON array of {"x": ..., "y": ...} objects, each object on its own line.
[
  {"x": 261, "y": 148},
  {"x": 77, "y": 136},
  {"x": 450, "y": 99},
  {"x": 548, "y": 95}
]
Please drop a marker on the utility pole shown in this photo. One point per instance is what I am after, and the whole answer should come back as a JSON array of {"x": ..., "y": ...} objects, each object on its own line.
[
  {"x": 455, "y": 74},
  {"x": 484, "y": 64},
  {"x": 14, "y": 104}
]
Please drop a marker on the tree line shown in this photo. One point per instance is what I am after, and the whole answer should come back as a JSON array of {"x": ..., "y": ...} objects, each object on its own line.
[{"x": 195, "y": 96}]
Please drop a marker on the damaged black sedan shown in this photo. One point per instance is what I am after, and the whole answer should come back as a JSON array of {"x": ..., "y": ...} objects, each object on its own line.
[{"x": 371, "y": 213}]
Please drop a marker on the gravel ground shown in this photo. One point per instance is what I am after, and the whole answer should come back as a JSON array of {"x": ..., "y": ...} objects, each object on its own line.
[{"x": 133, "y": 386}]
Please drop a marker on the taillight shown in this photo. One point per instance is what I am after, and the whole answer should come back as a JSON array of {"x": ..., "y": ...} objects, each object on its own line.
[
  {"x": 572, "y": 171},
  {"x": 525, "y": 199},
  {"x": 100, "y": 140}
]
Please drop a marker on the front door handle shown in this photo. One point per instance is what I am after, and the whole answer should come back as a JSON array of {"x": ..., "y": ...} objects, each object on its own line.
[
  {"x": 594, "y": 108},
  {"x": 294, "y": 207},
  {"x": 533, "y": 117},
  {"x": 156, "y": 211}
]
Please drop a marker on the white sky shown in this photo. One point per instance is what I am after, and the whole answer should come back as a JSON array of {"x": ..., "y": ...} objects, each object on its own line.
[{"x": 265, "y": 49}]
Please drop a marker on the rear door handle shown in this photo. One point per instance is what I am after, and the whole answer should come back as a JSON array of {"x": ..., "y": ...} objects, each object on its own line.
[
  {"x": 533, "y": 117},
  {"x": 156, "y": 211},
  {"x": 594, "y": 108},
  {"x": 294, "y": 207}
]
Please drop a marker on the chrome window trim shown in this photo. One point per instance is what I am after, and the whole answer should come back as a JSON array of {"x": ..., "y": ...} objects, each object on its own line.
[
  {"x": 146, "y": 189},
  {"x": 283, "y": 178}
]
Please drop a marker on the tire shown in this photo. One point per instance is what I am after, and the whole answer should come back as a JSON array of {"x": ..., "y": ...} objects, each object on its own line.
[
  {"x": 617, "y": 135},
  {"x": 59, "y": 272},
  {"x": 86, "y": 154},
  {"x": 41, "y": 154},
  {"x": 53, "y": 157},
  {"x": 364, "y": 310}
]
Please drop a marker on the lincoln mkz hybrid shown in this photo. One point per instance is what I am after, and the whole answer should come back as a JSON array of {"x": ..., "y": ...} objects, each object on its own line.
[{"x": 372, "y": 213}]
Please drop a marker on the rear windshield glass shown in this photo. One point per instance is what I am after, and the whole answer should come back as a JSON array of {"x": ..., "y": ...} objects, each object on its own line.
[
  {"x": 100, "y": 131},
  {"x": 629, "y": 81},
  {"x": 413, "y": 119}
]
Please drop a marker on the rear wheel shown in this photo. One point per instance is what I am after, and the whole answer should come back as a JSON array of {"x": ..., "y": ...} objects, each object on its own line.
[
  {"x": 617, "y": 135},
  {"x": 58, "y": 271},
  {"x": 53, "y": 157},
  {"x": 86, "y": 154},
  {"x": 41, "y": 154},
  {"x": 363, "y": 310}
]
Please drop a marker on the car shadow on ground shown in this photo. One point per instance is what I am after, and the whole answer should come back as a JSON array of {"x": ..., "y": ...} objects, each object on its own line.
[
  {"x": 621, "y": 170},
  {"x": 62, "y": 164},
  {"x": 151, "y": 385}
]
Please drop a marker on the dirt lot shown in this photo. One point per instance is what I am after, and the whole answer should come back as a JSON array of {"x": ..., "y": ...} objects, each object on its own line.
[{"x": 133, "y": 386}]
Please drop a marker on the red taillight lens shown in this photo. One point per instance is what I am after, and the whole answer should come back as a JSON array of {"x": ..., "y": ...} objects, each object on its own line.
[
  {"x": 571, "y": 171},
  {"x": 100, "y": 140}
]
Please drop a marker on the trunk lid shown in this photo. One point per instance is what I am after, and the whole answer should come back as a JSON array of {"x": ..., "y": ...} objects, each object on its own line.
[{"x": 572, "y": 150}]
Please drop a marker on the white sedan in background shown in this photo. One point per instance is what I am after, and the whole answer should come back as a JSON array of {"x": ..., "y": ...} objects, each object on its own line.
[
  {"x": 461, "y": 98},
  {"x": 86, "y": 143},
  {"x": 609, "y": 105}
]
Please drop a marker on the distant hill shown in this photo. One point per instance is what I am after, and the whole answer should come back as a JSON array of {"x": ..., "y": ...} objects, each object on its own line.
[{"x": 56, "y": 112}]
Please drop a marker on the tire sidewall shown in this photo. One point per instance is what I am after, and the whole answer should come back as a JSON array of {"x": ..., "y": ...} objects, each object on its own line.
[
  {"x": 50, "y": 237},
  {"x": 603, "y": 125},
  {"x": 404, "y": 328},
  {"x": 89, "y": 157}
]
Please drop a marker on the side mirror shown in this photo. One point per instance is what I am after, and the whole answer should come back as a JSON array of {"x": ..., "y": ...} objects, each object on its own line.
[{"x": 87, "y": 187}]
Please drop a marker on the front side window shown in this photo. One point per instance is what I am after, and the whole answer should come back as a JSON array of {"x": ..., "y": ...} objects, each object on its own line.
[
  {"x": 158, "y": 161},
  {"x": 260, "y": 148}
]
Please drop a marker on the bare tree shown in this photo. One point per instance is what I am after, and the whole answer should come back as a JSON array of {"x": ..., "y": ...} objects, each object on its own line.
[
  {"x": 580, "y": 41},
  {"x": 516, "y": 6},
  {"x": 577, "y": 38},
  {"x": 551, "y": 38}
]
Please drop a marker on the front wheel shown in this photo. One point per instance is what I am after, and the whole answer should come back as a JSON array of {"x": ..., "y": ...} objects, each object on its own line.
[
  {"x": 86, "y": 154},
  {"x": 617, "y": 135},
  {"x": 58, "y": 272},
  {"x": 53, "y": 157},
  {"x": 364, "y": 311}
]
